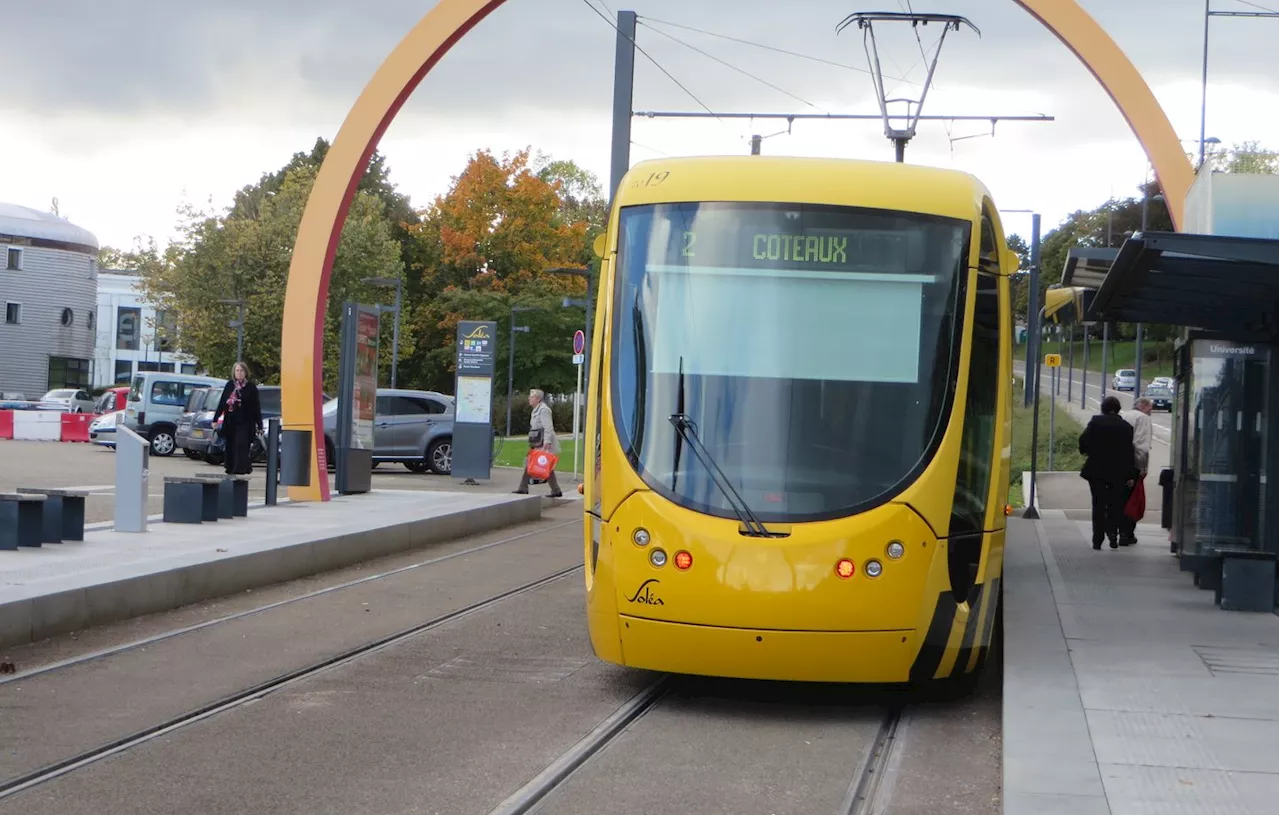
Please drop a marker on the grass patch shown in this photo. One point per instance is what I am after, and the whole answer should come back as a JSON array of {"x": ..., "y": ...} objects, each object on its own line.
[
  {"x": 514, "y": 450},
  {"x": 1157, "y": 356},
  {"x": 1066, "y": 437}
]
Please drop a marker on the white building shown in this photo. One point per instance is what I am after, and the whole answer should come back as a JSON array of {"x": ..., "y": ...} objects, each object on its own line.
[
  {"x": 132, "y": 334},
  {"x": 48, "y": 287}
]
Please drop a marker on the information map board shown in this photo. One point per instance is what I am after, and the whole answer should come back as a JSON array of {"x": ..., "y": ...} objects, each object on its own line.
[{"x": 477, "y": 352}]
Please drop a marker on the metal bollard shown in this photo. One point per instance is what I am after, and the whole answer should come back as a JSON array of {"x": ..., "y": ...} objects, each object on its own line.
[{"x": 273, "y": 460}]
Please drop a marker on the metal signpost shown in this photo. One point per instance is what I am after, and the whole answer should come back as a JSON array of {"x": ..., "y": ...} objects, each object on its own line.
[
  {"x": 357, "y": 398},
  {"x": 473, "y": 416},
  {"x": 579, "y": 356},
  {"x": 1054, "y": 363}
]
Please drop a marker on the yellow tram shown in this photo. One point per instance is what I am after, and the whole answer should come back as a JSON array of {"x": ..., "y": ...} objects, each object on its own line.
[{"x": 799, "y": 421}]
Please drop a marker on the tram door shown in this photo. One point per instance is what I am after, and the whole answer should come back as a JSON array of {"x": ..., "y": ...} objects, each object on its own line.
[{"x": 1223, "y": 422}]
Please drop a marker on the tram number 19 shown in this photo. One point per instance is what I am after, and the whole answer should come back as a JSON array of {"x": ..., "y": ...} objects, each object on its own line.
[{"x": 652, "y": 180}]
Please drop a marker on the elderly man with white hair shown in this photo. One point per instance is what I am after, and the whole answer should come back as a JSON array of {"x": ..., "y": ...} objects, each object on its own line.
[
  {"x": 1140, "y": 418},
  {"x": 542, "y": 436}
]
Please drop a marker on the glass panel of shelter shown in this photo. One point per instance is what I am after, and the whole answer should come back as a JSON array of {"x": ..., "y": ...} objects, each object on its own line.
[{"x": 1221, "y": 423}]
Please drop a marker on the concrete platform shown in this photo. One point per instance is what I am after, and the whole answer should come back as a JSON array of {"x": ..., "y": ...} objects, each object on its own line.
[
  {"x": 112, "y": 576},
  {"x": 1126, "y": 690}
]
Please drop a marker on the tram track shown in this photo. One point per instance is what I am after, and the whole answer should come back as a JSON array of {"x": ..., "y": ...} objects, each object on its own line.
[
  {"x": 50, "y": 772},
  {"x": 154, "y": 639},
  {"x": 864, "y": 790}
]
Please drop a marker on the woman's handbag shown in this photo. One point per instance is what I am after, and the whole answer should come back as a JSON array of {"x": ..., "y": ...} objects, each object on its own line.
[
  {"x": 1136, "y": 506},
  {"x": 535, "y": 438}
]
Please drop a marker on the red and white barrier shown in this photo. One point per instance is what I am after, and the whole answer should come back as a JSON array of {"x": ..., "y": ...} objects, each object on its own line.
[{"x": 44, "y": 425}]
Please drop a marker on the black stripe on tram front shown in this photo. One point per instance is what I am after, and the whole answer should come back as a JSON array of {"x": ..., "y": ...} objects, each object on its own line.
[
  {"x": 970, "y": 629},
  {"x": 935, "y": 639},
  {"x": 988, "y": 624}
]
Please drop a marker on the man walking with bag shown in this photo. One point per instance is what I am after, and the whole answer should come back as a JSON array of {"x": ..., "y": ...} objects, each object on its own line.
[
  {"x": 1140, "y": 418},
  {"x": 542, "y": 436}
]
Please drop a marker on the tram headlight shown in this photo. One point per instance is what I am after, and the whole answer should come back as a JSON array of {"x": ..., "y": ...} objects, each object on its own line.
[
  {"x": 895, "y": 549},
  {"x": 658, "y": 558},
  {"x": 873, "y": 568},
  {"x": 640, "y": 537}
]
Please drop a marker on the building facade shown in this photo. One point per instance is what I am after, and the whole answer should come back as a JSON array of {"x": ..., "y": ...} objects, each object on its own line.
[
  {"x": 49, "y": 290},
  {"x": 132, "y": 335}
]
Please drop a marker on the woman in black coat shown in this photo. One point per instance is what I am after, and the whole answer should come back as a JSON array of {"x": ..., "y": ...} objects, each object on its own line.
[
  {"x": 242, "y": 417},
  {"x": 1107, "y": 443}
]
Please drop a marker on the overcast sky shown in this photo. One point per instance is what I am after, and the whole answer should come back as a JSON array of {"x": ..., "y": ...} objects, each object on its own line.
[{"x": 124, "y": 109}]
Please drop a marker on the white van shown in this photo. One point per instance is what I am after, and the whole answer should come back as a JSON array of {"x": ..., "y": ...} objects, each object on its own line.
[{"x": 155, "y": 405}]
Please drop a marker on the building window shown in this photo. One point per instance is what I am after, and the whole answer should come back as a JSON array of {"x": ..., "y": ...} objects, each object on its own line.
[
  {"x": 93, "y": 320},
  {"x": 67, "y": 372},
  {"x": 13, "y": 313},
  {"x": 128, "y": 322},
  {"x": 93, "y": 267},
  {"x": 124, "y": 370},
  {"x": 188, "y": 369},
  {"x": 166, "y": 330},
  {"x": 13, "y": 258},
  {"x": 68, "y": 316}
]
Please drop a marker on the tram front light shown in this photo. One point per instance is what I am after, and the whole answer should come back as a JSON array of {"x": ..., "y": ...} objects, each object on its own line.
[
  {"x": 658, "y": 558},
  {"x": 641, "y": 537},
  {"x": 873, "y": 568},
  {"x": 683, "y": 560},
  {"x": 895, "y": 550},
  {"x": 844, "y": 568}
]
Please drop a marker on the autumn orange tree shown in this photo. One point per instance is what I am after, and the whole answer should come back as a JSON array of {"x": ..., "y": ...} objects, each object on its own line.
[{"x": 484, "y": 247}]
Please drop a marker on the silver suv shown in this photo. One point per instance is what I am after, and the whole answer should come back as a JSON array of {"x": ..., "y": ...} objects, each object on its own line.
[{"x": 414, "y": 428}]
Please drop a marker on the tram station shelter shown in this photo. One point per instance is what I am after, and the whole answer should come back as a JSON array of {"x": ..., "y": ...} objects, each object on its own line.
[{"x": 1218, "y": 279}]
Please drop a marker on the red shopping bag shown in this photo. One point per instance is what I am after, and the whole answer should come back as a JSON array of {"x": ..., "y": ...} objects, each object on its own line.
[
  {"x": 1136, "y": 506},
  {"x": 540, "y": 464}
]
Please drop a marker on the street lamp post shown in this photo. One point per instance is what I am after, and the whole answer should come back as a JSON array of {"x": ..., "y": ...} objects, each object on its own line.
[
  {"x": 511, "y": 358},
  {"x": 237, "y": 324},
  {"x": 398, "y": 284}
]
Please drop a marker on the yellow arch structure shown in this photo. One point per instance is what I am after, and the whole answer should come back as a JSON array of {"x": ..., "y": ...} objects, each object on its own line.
[{"x": 306, "y": 296}]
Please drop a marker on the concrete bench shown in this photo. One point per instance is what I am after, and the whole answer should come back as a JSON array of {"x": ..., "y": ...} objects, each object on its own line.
[
  {"x": 190, "y": 500},
  {"x": 63, "y": 513},
  {"x": 21, "y": 519},
  {"x": 233, "y": 493}
]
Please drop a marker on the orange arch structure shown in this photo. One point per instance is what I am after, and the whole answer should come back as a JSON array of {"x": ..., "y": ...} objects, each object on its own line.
[{"x": 306, "y": 296}]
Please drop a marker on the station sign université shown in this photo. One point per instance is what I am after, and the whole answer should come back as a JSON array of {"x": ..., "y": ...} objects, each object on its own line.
[{"x": 477, "y": 352}]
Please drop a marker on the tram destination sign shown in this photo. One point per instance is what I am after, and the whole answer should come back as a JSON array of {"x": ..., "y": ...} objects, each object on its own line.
[{"x": 821, "y": 240}]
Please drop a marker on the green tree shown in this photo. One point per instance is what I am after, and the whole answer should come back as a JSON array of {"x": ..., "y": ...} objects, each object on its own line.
[
  {"x": 1243, "y": 157},
  {"x": 245, "y": 254}
]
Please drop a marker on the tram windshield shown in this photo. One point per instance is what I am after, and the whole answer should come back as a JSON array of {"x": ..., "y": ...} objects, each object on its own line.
[{"x": 812, "y": 347}]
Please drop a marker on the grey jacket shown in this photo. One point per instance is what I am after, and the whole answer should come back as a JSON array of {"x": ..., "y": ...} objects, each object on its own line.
[{"x": 541, "y": 418}]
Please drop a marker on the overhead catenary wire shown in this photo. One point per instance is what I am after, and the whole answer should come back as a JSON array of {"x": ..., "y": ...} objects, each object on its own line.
[
  {"x": 656, "y": 64},
  {"x": 652, "y": 21},
  {"x": 730, "y": 65}
]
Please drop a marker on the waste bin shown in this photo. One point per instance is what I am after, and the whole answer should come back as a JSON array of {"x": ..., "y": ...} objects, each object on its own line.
[{"x": 1166, "y": 498}]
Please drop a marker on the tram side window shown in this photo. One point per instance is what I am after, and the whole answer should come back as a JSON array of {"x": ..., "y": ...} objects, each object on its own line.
[{"x": 977, "y": 441}]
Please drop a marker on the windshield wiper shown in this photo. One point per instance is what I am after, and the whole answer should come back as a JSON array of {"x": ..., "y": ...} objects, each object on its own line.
[{"x": 688, "y": 431}]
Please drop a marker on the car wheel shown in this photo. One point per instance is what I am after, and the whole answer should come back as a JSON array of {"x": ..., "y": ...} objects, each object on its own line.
[
  {"x": 416, "y": 466},
  {"x": 162, "y": 443},
  {"x": 440, "y": 456}
]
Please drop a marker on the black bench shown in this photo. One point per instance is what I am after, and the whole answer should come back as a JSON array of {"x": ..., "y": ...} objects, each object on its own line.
[
  {"x": 233, "y": 493},
  {"x": 63, "y": 513},
  {"x": 21, "y": 519},
  {"x": 190, "y": 500}
]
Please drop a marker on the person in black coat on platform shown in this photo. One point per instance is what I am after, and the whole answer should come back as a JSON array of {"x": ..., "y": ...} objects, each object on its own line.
[
  {"x": 241, "y": 413},
  {"x": 1107, "y": 443}
]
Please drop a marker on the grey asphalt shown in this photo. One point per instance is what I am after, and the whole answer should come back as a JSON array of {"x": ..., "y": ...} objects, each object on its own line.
[
  {"x": 91, "y": 467},
  {"x": 456, "y": 719}
]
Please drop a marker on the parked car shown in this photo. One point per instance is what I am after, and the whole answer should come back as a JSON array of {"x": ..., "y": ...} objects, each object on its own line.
[
  {"x": 111, "y": 400},
  {"x": 15, "y": 400},
  {"x": 1161, "y": 398},
  {"x": 102, "y": 430},
  {"x": 67, "y": 400},
  {"x": 414, "y": 428},
  {"x": 156, "y": 402},
  {"x": 1125, "y": 379},
  {"x": 194, "y": 431}
]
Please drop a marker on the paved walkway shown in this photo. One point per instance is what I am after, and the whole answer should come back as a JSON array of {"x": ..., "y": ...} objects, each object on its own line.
[{"x": 1126, "y": 690}]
